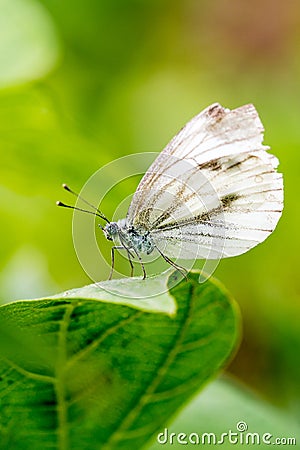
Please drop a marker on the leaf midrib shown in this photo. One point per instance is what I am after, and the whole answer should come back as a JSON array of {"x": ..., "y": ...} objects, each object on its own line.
[{"x": 118, "y": 434}]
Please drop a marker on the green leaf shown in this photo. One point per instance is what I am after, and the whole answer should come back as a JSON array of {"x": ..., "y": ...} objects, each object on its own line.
[
  {"x": 106, "y": 375},
  {"x": 150, "y": 295},
  {"x": 227, "y": 405},
  {"x": 28, "y": 43}
]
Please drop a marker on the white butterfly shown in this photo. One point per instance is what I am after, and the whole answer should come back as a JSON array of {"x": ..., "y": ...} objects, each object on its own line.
[{"x": 213, "y": 192}]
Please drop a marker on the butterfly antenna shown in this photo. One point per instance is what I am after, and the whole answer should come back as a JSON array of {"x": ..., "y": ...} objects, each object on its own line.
[
  {"x": 99, "y": 213},
  {"x": 82, "y": 210}
]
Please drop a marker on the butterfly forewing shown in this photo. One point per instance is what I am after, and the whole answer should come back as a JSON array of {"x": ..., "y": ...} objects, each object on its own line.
[{"x": 213, "y": 191}]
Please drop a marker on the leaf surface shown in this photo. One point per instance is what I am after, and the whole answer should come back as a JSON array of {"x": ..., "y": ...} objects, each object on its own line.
[{"x": 82, "y": 373}]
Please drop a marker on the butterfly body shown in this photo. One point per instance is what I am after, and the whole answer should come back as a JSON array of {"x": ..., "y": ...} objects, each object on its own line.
[
  {"x": 135, "y": 241},
  {"x": 138, "y": 240}
]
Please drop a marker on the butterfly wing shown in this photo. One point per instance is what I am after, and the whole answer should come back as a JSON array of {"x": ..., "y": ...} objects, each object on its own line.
[{"x": 214, "y": 190}]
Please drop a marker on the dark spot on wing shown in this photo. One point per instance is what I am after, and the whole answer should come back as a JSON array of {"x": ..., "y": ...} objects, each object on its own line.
[
  {"x": 238, "y": 163},
  {"x": 227, "y": 200},
  {"x": 214, "y": 164},
  {"x": 216, "y": 112},
  {"x": 204, "y": 217}
]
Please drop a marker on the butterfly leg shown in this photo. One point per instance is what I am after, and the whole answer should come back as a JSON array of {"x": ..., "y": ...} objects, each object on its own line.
[
  {"x": 142, "y": 264},
  {"x": 115, "y": 247},
  {"x": 181, "y": 269},
  {"x": 130, "y": 255}
]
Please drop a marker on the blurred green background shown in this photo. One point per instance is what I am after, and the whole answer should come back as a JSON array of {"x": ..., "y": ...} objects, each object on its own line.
[{"x": 82, "y": 83}]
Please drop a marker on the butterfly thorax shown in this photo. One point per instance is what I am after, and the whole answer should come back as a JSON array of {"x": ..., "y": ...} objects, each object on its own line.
[{"x": 138, "y": 239}]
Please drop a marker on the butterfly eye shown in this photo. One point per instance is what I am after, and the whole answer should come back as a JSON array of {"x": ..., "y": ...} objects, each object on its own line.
[{"x": 111, "y": 230}]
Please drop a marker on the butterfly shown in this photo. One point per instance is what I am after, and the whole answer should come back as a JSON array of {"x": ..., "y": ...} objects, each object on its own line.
[{"x": 213, "y": 192}]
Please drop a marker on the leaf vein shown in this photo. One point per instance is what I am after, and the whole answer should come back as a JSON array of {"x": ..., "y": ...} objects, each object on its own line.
[{"x": 143, "y": 399}]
